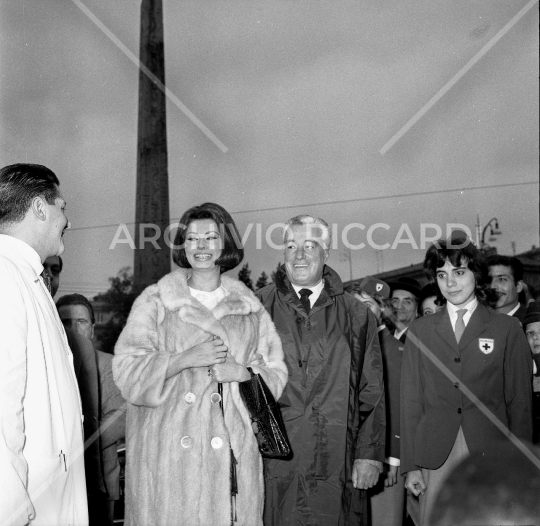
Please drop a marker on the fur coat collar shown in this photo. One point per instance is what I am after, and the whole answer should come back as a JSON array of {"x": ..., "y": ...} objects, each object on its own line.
[{"x": 174, "y": 293}]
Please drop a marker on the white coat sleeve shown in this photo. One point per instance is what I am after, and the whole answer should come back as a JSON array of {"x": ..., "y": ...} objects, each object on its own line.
[{"x": 15, "y": 505}]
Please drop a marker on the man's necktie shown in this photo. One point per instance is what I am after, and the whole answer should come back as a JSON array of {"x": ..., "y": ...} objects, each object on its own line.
[
  {"x": 460, "y": 324},
  {"x": 304, "y": 299},
  {"x": 48, "y": 282}
]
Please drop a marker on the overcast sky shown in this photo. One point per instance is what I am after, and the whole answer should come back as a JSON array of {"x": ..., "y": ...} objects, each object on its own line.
[{"x": 304, "y": 95}]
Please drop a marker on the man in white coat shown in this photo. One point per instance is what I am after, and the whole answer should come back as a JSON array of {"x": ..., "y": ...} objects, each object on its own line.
[{"x": 41, "y": 439}]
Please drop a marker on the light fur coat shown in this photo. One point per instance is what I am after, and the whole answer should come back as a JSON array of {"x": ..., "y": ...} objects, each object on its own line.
[{"x": 178, "y": 457}]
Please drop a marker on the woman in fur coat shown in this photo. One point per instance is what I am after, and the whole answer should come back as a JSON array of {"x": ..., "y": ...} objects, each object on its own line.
[{"x": 191, "y": 330}]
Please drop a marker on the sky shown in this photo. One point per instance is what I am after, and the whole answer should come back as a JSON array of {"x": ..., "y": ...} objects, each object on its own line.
[{"x": 305, "y": 96}]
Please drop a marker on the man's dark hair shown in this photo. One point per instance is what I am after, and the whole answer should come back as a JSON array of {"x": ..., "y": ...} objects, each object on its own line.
[
  {"x": 507, "y": 261},
  {"x": 19, "y": 184},
  {"x": 76, "y": 299},
  {"x": 232, "y": 252},
  {"x": 458, "y": 249}
]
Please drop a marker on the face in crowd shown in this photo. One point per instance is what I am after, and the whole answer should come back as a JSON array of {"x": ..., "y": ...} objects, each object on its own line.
[
  {"x": 533, "y": 336},
  {"x": 404, "y": 304},
  {"x": 457, "y": 284},
  {"x": 52, "y": 266},
  {"x": 305, "y": 255},
  {"x": 502, "y": 280},
  {"x": 77, "y": 318},
  {"x": 429, "y": 306}
]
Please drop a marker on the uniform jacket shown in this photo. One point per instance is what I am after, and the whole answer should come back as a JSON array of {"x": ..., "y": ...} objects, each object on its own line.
[
  {"x": 333, "y": 405},
  {"x": 41, "y": 436},
  {"x": 177, "y": 440},
  {"x": 492, "y": 359},
  {"x": 392, "y": 353}
]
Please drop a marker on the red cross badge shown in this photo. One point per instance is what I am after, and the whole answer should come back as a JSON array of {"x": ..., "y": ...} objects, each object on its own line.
[{"x": 486, "y": 345}]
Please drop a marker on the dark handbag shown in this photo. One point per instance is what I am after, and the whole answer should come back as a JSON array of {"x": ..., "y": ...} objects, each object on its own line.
[{"x": 265, "y": 416}]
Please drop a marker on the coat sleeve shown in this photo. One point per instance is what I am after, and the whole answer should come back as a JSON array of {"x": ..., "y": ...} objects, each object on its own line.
[
  {"x": 139, "y": 366},
  {"x": 15, "y": 505},
  {"x": 517, "y": 388},
  {"x": 392, "y": 362},
  {"x": 274, "y": 370},
  {"x": 370, "y": 443},
  {"x": 113, "y": 406},
  {"x": 412, "y": 404}
]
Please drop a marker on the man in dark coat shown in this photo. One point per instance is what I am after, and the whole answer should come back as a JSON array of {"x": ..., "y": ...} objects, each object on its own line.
[{"x": 333, "y": 406}]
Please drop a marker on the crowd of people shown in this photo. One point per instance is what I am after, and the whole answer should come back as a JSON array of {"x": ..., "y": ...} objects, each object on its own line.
[{"x": 400, "y": 403}]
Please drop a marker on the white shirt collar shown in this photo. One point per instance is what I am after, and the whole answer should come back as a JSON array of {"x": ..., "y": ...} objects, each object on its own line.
[
  {"x": 514, "y": 310},
  {"x": 452, "y": 311},
  {"x": 399, "y": 334},
  {"x": 315, "y": 291},
  {"x": 16, "y": 249}
]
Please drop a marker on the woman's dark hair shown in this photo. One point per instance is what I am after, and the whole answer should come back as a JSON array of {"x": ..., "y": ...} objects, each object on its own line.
[
  {"x": 19, "y": 184},
  {"x": 458, "y": 249},
  {"x": 429, "y": 290},
  {"x": 233, "y": 251}
]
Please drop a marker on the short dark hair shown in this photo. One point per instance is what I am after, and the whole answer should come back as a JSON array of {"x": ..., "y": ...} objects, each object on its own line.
[
  {"x": 459, "y": 249},
  {"x": 233, "y": 251},
  {"x": 507, "y": 261},
  {"x": 76, "y": 299},
  {"x": 19, "y": 184}
]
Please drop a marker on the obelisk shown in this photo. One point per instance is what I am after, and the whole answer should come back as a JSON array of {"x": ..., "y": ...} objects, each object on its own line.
[{"x": 152, "y": 256}]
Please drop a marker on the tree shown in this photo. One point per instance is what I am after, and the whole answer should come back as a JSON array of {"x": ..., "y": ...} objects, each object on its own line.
[
  {"x": 262, "y": 281},
  {"x": 274, "y": 272},
  {"x": 119, "y": 299},
  {"x": 244, "y": 276}
]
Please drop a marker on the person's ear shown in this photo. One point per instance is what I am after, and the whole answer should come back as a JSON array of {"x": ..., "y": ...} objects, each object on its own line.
[
  {"x": 39, "y": 208},
  {"x": 326, "y": 254},
  {"x": 519, "y": 286},
  {"x": 92, "y": 333}
]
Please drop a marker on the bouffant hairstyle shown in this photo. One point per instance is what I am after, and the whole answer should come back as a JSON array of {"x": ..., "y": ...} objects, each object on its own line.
[
  {"x": 232, "y": 252},
  {"x": 19, "y": 185},
  {"x": 458, "y": 249}
]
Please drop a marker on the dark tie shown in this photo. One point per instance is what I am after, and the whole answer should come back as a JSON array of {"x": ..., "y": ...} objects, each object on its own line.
[
  {"x": 304, "y": 299},
  {"x": 47, "y": 280},
  {"x": 460, "y": 324}
]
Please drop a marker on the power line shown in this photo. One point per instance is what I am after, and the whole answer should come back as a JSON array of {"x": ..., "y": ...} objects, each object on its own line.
[{"x": 328, "y": 203}]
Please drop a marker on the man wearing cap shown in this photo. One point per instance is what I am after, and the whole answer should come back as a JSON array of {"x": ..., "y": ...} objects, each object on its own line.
[
  {"x": 531, "y": 324},
  {"x": 333, "y": 405},
  {"x": 405, "y": 294},
  {"x": 388, "y": 496}
]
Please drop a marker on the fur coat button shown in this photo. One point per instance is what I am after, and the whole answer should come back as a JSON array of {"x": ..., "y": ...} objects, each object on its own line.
[
  {"x": 215, "y": 398},
  {"x": 216, "y": 442},
  {"x": 190, "y": 398},
  {"x": 186, "y": 442}
]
